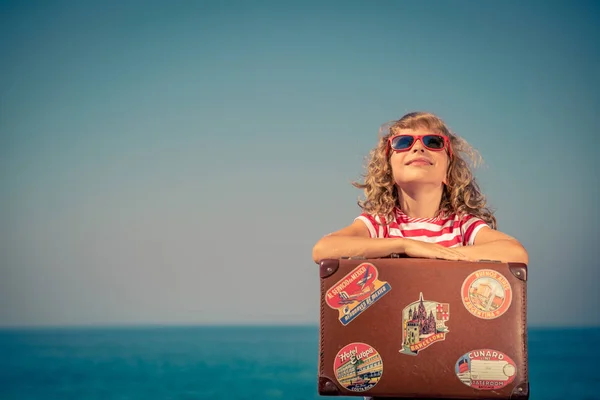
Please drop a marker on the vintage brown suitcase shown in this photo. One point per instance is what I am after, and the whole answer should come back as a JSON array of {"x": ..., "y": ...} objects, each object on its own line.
[{"x": 418, "y": 328}]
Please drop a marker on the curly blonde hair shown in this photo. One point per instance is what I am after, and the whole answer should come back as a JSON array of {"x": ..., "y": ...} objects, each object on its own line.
[{"x": 461, "y": 193}]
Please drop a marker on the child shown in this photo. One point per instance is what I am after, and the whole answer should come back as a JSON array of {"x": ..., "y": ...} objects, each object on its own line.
[{"x": 421, "y": 201}]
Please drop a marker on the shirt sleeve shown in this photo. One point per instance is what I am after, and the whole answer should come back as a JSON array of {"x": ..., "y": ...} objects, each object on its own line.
[
  {"x": 376, "y": 228},
  {"x": 469, "y": 227}
]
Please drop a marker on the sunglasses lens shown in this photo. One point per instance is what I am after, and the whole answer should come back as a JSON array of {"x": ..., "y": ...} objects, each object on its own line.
[
  {"x": 402, "y": 142},
  {"x": 433, "y": 142}
]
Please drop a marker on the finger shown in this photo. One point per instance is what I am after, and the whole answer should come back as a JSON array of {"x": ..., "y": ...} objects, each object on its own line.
[
  {"x": 449, "y": 257},
  {"x": 464, "y": 257},
  {"x": 459, "y": 254},
  {"x": 456, "y": 256}
]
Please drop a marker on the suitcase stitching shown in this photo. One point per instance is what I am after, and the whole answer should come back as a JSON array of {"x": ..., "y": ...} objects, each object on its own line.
[
  {"x": 321, "y": 349},
  {"x": 524, "y": 324}
]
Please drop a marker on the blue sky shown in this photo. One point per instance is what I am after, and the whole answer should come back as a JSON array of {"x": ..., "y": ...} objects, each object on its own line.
[{"x": 175, "y": 162}]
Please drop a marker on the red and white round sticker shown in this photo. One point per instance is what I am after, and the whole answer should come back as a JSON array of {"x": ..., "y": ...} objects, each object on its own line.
[
  {"x": 486, "y": 294},
  {"x": 358, "y": 367}
]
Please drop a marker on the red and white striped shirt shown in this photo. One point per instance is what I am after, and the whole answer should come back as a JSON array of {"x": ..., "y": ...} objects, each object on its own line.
[{"x": 450, "y": 231}]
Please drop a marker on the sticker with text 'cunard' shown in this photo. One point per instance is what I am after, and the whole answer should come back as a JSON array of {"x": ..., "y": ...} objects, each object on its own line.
[
  {"x": 423, "y": 324},
  {"x": 358, "y": 367},
  {"x": 356, "y": 292},
  {"x": 486, "y": 293},
  {"x": 485, "y": 369}
]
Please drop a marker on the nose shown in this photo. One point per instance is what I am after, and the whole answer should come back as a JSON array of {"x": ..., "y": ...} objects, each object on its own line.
[{"x": 418, "y": 146}]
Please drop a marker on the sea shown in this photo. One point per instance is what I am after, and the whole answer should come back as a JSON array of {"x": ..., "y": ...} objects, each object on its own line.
[{"x": 231, "y": 362}]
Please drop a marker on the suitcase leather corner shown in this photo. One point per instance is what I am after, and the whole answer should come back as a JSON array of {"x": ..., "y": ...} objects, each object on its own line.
[
  {"x": 327, "y": 387},
  {"x": 519, "y": 270},
  {"x": 328, "y": 267},
  {"x": 520, "y": 392}
]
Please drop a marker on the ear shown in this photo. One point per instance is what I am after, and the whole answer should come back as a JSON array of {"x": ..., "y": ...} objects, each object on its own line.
[
  {"x": 448, "y": 169},
  {"x": 445, "y": 180}
]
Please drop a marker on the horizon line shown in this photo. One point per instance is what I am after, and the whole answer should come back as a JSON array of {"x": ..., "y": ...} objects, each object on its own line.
[{"x": 138, "y": 325}]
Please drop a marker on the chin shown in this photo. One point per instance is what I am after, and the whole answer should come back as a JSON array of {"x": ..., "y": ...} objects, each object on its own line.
[
  {"x": 417, "y": 177},
  {"x": 418, "y": 182},
  {"x": 411, "y": 181}
]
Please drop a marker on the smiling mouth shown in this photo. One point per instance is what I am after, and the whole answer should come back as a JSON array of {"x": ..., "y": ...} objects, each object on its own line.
[{"x": 420, "y": 161}]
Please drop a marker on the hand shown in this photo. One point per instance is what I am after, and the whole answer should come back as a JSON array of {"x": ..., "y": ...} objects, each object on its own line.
[{"x": 415, "y": 248}]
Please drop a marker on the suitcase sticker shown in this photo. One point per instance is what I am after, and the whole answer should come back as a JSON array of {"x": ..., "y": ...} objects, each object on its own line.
[
  {"x": 485, "y": 369},
  {"x": 356, "y": 292},
  {"x": 486, "y": 294},
  {"x": 358, "y": 367},
  {"x": 423, "y": 324}
]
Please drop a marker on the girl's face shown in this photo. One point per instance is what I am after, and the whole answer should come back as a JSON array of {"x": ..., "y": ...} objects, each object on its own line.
[{"x": 426, "y": 162}]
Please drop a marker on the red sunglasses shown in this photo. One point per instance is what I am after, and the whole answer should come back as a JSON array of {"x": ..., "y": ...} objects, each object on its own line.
[{"x": 431, "y": 142}]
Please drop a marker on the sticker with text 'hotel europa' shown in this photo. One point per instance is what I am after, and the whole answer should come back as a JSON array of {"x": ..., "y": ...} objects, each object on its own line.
[{"x": 358, "y": 367}]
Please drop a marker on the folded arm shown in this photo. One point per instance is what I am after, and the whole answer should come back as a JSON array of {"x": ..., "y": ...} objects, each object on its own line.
[
  {"x": 355, "y": 241},
  {"x": 491, "y": 244}
]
